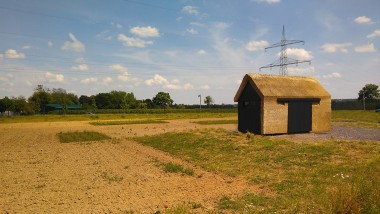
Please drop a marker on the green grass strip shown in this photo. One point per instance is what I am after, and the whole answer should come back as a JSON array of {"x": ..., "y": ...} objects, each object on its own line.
[
  {"x": 77, "y": 136},
  {"x": 313, "y": 176},
  {"x": 177, "y": 168},
  {"x": 216, "y": 122},
  {"x": 126, "y": 122}
]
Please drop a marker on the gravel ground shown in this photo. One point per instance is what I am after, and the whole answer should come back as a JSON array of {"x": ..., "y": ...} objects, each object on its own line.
[{"x": 337, "y": 133}]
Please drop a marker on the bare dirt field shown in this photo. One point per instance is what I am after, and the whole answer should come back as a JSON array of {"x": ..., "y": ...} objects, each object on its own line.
[{"x": 38, "y": 174}]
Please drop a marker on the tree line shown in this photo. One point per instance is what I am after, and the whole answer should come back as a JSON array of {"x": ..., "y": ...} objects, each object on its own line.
[{"x": 42, "y": 96}]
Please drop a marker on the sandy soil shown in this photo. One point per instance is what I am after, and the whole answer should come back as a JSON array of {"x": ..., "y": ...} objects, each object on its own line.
[{"x": 41, "y": 175}]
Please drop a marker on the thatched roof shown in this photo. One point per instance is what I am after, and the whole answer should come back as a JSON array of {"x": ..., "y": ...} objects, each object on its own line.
[{"x": 283, "y": 86}]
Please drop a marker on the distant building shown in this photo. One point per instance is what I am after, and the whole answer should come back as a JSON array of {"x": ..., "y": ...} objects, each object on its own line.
[
  {"x": 60, "y": 107},
  {"x": 273, "y": 104}
]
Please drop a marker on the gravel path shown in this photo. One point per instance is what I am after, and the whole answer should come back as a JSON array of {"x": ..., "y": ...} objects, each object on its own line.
[{"x": 337, "y": 133}]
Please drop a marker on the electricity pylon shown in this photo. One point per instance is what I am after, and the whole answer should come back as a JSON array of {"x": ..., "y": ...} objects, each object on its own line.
[{"x": 284, "y": 60}]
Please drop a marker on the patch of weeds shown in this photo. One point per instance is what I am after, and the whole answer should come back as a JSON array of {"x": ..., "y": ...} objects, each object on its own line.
[
  {"x": 95, "y": 163},
  {"x": 249, "y": 202},
  {"x": 80, "y": 136},
  {"x": 196, "y": 205},
  {"x": 94, "y": 117},
  {"x": 250, "y": 136},
  {"x": 126, "y": 122},
  {"x": 115, "y": 141},
  {"x": 129, "y": 212},
  {"x": 111, "y": 178},
  {"x": 258, "y": 180},
  {"x": 34, "y": 162},
  {"x": 357, "y": 195},
  {"x": 126, "y": 167},
  {"x": 178, "y": 168},
  {"x": 227, "y": 203},
  {"x": 40, "y": 186},
  {"x": 216, "y": 122},
  {"x": 179, "y": 209}
]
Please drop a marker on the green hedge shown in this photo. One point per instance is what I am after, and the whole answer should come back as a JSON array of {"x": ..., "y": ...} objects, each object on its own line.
[{"x": 353, "y": 104}]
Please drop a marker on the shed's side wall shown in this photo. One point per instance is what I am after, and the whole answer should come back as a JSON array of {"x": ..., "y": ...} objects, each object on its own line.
[
  {"x": 322, "y": 116},
  {"x": 275, "y": 116}
]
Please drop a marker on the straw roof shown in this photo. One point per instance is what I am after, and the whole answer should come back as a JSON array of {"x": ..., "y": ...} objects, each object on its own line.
[{"x": 283, "y": 86}]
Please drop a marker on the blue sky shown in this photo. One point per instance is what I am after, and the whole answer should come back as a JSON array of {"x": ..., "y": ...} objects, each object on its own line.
[{"x": 184, "y": 47}]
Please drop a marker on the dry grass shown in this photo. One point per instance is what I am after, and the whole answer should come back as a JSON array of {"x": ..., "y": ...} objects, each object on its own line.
[
  {"x": 311, "y": 176},
  {"x": 81, "y": 136},
  {"x": 126, "y": 122}
]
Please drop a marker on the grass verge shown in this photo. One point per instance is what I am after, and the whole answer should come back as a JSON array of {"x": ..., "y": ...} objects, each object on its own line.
[
  {"x": 126, "y": 122},
  {"x": 80, "y": 136},
  {"x": 357, "y": 118},
  {"x": 312, "y": 177},
  {"x": 216, "y": 122},
  {"x": 85, "y": 117},
  {"x": 111, "y": 178},
  {"x": 178, "y": 168}
]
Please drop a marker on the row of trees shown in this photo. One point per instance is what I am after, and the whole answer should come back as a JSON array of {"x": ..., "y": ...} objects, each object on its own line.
[{"x": 112, "y": 100}]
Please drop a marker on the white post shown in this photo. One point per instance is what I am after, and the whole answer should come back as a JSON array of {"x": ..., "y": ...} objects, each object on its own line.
[{"x": 200, "y": 102}]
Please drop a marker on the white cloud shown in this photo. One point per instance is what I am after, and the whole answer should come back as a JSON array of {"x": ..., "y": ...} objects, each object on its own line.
[
  {"x": 256, "y": 45},
  {"x": 332, "y": 75},
  {"x": 89, "y": 80},
  {"x": 107, "y": 80},
  {"x": 365, "y": 48},
  {"x": 205, "y": 87},
  {"x": 190, "y": 10},
  {"x": 362, "y": 20},
  {"x": 188, "y": 86},
  {"x": 201, "y": 52},
  {"x": 81, "y": 67},
  {"x": 298, "y": 53},
  {"x": 198, "y": 24},
  {"x": 104, "y": 35},
  {"x": 145, "y": 31},
  {"x": 133, "y": 42},
  {"x": 26, "y": 47},
  {"x": 124, "y": 77},
  {"x": 374, "y": 34},
  {"x": 50, "y": 77},
  {"x": 159, "y": 80},
  {"x": 50, "y": 43},
  {"x": 192, "y": 31},
  {"x": 336, "y": 47},
  {"x": 1, "y": 57},
  {"x": 117, "y": 25},
  {"x": 268, "y": 1},
  {"x": 73, "y": 45},
  {"x": 118, "y": 67},
  {"x": 12, "y": 54}
]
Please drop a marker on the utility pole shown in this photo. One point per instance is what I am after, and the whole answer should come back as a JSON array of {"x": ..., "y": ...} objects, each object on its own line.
[
  {"x": 200, "y": 102},
  {"x": 284, "y": 60}
]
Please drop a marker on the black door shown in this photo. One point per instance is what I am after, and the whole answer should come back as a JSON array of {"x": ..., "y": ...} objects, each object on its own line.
[
  {"x": 299, "y": 117},
  {"x": 249, "y": 115}
]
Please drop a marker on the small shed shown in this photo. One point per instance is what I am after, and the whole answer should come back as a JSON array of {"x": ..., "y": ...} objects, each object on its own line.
[
  {"x": 59, "y": 107},
  {"x": 274, "y": 104}
]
